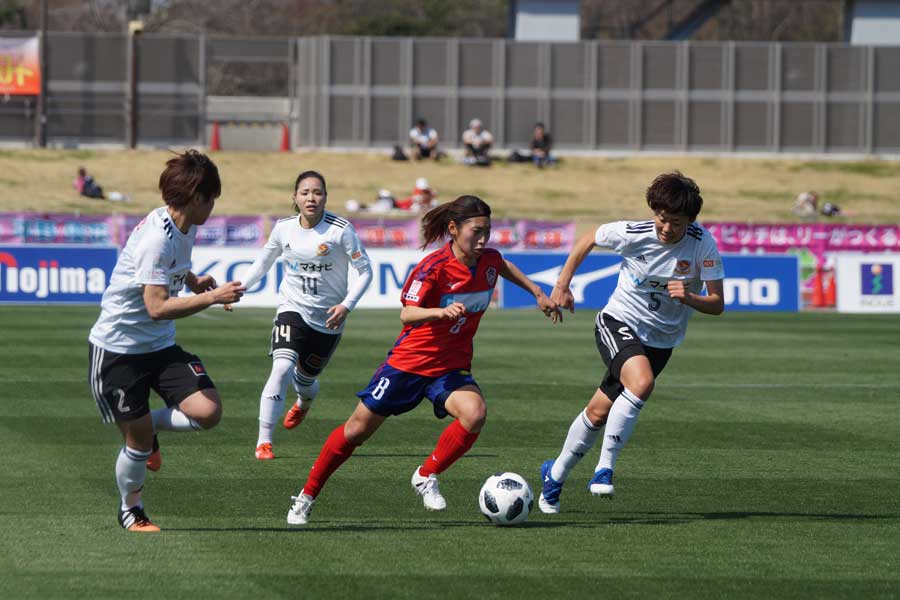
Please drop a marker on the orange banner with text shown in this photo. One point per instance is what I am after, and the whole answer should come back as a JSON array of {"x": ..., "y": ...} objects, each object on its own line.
[{"x": 20, "y": 71}]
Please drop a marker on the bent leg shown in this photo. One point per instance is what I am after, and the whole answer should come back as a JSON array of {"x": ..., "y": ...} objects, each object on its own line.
[
  {"x": 271, "y": 401},
  {"x": 131, "y": 464},
  {"x": 203, "y": 408},
  {"x": 470, "y": 410},
  {"x": 582, "y": 435},
  {"x": 340, "y": 445},
  {"x": 637, "y": 378}
]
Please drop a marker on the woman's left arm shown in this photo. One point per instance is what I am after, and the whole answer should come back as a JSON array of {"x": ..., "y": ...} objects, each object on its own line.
[{"x": 512, "y": 273}]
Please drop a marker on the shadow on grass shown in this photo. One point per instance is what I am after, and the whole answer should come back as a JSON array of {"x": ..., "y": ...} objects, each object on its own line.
[{"x": 650, "y": 518}]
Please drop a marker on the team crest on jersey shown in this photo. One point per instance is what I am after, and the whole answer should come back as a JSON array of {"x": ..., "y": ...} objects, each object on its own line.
[
  {"x": 323, "y": 249},
  {"x": 197, "y": 368},
  {"x": 709, "y": 263},
  {"x": 356, "y": 255},
  {"x": 491, "y": 274},
  {"x": 683, "y": 267}
]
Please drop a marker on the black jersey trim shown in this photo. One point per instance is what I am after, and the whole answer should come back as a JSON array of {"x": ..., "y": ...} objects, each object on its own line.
[
  {"x": 336, "y": 221},
  {"x": 167, "y": 226}
]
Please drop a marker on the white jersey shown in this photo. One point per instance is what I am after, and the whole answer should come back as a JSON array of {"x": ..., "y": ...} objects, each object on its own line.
[
  {"x": 421, "y": 138},
  {"x": 157, "y": 253},
  {"x": 640, "y": 299},
  {"x": 315, "y": 267}
]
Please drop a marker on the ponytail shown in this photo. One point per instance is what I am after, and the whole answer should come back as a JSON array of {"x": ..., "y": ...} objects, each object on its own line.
[{"x": 436, "y": 222}]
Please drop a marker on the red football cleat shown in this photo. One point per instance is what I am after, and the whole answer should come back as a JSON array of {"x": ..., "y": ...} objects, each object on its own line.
[
  {"x": 294, "y": 416},
  {"x": 264, "y": 452}
]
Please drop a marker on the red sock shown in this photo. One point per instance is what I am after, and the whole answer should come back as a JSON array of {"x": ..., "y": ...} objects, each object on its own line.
[
  {"x": 453, "y": 443},
  {"x": 335, "y": 451}
]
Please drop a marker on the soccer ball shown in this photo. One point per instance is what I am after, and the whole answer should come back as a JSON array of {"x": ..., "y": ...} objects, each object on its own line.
[{"x": 505, "y": 499}]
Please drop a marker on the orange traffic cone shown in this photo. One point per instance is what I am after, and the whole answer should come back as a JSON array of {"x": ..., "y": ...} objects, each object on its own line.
[
  {"x": 285, "y": 138},
  {"x": 818, "y": 294},
  {"x": 830, "y": 290},
  {"x": 215, "y": 143}
]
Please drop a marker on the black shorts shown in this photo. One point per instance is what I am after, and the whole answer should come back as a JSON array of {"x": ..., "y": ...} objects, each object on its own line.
[
  {"x": 121, "y": 383},
  {"x": 313, "y": 349},
  {"x": 617, "y": 342}
]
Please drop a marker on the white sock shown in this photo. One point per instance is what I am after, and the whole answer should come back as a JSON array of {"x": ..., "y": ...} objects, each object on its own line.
[
  {"x": 619, "y": 425},
  {"x": 131, "y": 470},
  {"x": 271, "y": 402},
  {"x": 581, "y": 438},
  {"x": 172, "y": 419},
  {"x": 307, "y": 387}
]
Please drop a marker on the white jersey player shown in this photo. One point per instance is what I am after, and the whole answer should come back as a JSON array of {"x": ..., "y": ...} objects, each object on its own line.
[
  {"x": 132, "y": 344},
  {"x": 665, "y": 264},
  {"x": 317, "y": 248}
]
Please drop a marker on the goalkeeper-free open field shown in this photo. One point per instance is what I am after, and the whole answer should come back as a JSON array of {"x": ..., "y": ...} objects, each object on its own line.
[{"x": 765, "y": 465}]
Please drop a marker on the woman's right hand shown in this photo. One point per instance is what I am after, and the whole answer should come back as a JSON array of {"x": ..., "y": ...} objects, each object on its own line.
[
  {"x": 453, "y": 311},
  {"x": 228, "y": 293}
]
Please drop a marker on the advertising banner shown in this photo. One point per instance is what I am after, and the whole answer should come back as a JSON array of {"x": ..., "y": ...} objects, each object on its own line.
[
  {"x": 20, "y": 67},
  {"x": 867, "y": 283},
  {"x": 38, "y": 274},
  {"x": 384, "y": 233},
  {"x": 54, "y": 228},
  {"x": 390, "y": 269},
  {"x": 752, "y": 283},
  {"x": 819, "y": 238},
  {"x": 223, "y": 230}
]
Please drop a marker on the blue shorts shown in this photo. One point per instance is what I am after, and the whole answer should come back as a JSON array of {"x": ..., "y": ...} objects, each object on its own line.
[{"x": 394, "y": 392}]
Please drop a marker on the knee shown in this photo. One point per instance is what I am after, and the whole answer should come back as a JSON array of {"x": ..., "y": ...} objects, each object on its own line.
[
  {"x": 642, "y": 386},
  {"x": 473, "y": 417},
  {"x": 356, "y": 434},
  {"x": 596, "y": 414},
  {"x": 210, "y": 416}
]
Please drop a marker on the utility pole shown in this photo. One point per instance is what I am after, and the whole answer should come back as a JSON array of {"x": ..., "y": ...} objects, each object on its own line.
[{"x": 40, "y": 120}]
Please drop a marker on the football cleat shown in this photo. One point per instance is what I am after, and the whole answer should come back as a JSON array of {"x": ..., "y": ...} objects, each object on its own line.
[
  {"x": 154, "y": 463},
  {"x": 549, "y": 500},
  {"x": 301, "y": 509},
  {"x": 427, "y": 487},
  {"x": 135, "y": 519},
  {"x": 601, "y": 483},
  {"x": 264, "y": 452},
  {"x": 294, "y": 416}
]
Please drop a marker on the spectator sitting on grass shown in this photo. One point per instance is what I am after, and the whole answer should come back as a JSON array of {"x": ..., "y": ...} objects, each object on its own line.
[
  {"x": 541, "y": 143},
  {"x": 86, "y": 185},
  {"x": 477, "y": 141},
  {"x": 423, "y": 141}
]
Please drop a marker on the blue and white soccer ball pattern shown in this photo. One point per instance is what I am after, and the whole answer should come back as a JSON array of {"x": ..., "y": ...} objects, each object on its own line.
[{"x": 505, "y": 499}]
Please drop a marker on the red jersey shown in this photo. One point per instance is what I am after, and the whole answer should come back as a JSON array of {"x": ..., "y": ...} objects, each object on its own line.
[{"x": 437, "y": 347}]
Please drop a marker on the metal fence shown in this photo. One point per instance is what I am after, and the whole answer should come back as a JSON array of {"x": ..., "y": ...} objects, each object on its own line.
[{"x": 362, "y": 91}]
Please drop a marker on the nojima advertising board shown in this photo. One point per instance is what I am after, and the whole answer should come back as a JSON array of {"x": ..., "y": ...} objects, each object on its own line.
[{"x": 55, "y": 274}]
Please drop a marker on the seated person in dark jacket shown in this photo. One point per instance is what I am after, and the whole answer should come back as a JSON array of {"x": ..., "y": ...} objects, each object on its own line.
[{"x": 541, "y": 144}]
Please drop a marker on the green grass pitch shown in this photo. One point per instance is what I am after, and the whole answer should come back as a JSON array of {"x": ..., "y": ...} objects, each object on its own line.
[{"x": 764, "y": 466}]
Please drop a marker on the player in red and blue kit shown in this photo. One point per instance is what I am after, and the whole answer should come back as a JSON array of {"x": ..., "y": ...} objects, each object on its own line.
[{"x": 443, "y": 301}]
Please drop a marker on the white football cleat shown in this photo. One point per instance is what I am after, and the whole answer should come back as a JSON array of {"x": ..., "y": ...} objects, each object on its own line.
[
  {"x": 427, "y": 487},
  {"x": 302, "y": 507}
]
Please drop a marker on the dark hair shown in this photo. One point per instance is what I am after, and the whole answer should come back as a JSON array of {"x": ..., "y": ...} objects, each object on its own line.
[
  {"x": 187, "y": 175},
  {"x": 675, "y": 194},
  {"x": 436, "y": 222},
  {"x": 421, "y": 122},
  {"x": 82, "y": 171},
  {"x": 306, "y": 174},
  {"x": 539, "y": 124}
]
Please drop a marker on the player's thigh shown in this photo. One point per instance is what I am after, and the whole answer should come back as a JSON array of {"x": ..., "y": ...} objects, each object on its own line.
[
  {"x": 598, "y": 408},
  {"x": 181, "y": 380},
  {"x": 468, "y": 405},
  {"x": 618, "y": 344},
  {"x": 393, "y": 392},
  {"x": 311, "y": 349},
  {"x": 120, "y": 384}
]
